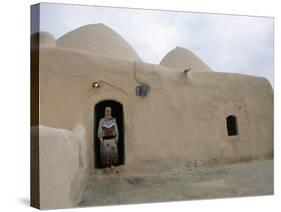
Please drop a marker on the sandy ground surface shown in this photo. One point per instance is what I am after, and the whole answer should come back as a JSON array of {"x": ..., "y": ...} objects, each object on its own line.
[{"x": 232, "y": 180}]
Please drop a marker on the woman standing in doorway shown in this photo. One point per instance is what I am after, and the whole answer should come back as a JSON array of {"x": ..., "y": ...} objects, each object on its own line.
[{"x": 108, "y": 136}]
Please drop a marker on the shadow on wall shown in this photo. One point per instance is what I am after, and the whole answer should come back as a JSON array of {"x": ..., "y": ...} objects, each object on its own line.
[{"x": 117, "y": 113}]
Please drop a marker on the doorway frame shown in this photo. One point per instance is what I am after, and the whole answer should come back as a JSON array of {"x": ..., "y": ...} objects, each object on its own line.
[{"x": 96, "y": 147}]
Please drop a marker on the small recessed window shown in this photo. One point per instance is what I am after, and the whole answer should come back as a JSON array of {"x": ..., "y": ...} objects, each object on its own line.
[{"x": 231, "y": 124}]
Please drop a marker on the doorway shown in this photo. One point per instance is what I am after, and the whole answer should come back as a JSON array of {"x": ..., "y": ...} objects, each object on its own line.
[{"x": 117, "y": 113}]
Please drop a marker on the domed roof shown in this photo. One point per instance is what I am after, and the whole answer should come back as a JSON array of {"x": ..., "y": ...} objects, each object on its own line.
[
  {"x": 45, "y": 39},
  {"x": 99, "y": 39},
  {"x": 181, "y": 58}
]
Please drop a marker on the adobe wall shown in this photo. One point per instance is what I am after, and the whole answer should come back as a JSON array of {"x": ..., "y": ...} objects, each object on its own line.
[
  {"x": 179, "y": 123},
  {"x": 63, "y": 166}
]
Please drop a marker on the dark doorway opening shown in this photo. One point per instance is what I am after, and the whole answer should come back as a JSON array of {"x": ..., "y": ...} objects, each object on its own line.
[
  {"x": 231, "y": 123},
  {"x": 117, "y": 113}
]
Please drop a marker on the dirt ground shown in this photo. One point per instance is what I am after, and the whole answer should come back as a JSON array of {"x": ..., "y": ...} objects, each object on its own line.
[{"x": 232, "y": 180}]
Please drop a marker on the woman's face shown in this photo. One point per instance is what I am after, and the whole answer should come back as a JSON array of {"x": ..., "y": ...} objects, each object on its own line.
[{"x": 108, "y": 112}]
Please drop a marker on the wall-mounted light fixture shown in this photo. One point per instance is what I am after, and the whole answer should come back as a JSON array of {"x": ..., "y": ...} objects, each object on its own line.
[
  {"x": 102, "y": 83},
  {"x": 187, "y": 70},
  {"x": 96, "y": 84}
]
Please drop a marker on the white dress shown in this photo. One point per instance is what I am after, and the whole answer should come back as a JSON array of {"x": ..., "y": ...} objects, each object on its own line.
[{"x": 108, "y": 131}]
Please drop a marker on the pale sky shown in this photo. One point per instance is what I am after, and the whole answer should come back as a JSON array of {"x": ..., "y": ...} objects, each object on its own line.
[{"x": 227, "y": 43}]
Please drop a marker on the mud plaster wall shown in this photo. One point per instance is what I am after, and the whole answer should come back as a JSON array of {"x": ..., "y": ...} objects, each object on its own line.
[
  {"x": 183, "y": 118},
  {"x": 62, "y": 166}
]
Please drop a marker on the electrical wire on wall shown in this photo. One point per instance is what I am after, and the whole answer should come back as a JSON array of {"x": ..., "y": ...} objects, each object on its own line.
[{"x": 142, "y": 89}]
